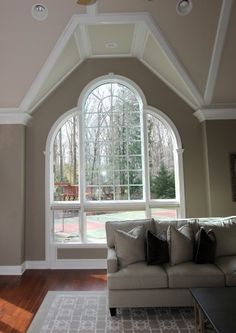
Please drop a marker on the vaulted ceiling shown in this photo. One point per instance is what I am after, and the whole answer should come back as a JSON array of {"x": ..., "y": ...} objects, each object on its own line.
[{"x": 193, "y": 54}]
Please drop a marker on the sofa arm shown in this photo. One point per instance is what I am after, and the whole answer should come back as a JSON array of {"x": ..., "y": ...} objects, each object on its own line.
[{"x": 112, "y": 261}]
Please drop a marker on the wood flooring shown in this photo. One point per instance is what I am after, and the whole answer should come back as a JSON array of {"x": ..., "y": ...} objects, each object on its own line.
[{"x": 21, "y": 296}]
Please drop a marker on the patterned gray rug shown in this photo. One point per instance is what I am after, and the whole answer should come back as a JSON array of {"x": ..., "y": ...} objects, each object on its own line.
[{"x": 87, "y": 312}]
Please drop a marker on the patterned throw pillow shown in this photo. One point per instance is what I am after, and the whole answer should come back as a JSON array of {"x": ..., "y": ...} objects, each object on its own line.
[
  {"x": 157, "y": 248},
  {"x": 130, "y": 246},
  {"x": 205, "y": 247},
  {"x": 181, "y": 243}
]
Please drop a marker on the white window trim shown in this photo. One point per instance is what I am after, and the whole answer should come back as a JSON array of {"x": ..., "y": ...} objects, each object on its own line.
[{"x": 179, "y": 202}]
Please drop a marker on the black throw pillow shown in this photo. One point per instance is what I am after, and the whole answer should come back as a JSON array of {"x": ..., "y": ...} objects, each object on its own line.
[
  {"x": 205, "y": 247},
  {"x": 157, "y": 248}
]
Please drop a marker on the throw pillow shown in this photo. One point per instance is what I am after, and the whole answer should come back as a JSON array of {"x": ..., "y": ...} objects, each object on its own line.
[
  {"x": 180, "y": 244},
  {"x": 130, "y": 246},
  {"x": 157, "y": 248},
  {"x": 205, "y": 246}
]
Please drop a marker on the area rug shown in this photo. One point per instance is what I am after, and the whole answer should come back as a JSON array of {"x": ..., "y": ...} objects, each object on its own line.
[{"x": 87, "y": 312}]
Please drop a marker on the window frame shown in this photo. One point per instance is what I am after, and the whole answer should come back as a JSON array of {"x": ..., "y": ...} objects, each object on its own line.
[{"x": 146, "y": 204}]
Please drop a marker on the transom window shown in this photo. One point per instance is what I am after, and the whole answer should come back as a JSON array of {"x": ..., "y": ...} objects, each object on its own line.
[{"x": 111, "y": 160}]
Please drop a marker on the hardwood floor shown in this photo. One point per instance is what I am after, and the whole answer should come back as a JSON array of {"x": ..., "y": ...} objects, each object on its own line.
[{"x": 21, "y": 296}]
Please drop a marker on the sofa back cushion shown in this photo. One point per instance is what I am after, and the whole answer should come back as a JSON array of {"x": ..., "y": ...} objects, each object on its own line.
[
  {"x": 181, "y": 242},
  {"x": 225, "y": 233},
  {"x": 126, "y": 226},
  {"x": 163, "y": 224}
]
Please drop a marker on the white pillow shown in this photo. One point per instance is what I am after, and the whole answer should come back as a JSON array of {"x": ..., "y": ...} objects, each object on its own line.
[
  {"x": 130, "y": 246},
  {"x": 181, "y": 243}
]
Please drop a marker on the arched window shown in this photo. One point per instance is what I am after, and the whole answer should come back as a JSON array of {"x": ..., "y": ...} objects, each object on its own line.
[{"x": 112, "y": 158}]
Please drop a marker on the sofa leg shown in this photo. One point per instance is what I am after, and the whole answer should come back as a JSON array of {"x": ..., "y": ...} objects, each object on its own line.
[{"x": 113, "y": 311}]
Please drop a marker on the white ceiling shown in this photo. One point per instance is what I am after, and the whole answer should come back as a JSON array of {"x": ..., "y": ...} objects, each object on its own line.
[{"x": 194, "y": 54}]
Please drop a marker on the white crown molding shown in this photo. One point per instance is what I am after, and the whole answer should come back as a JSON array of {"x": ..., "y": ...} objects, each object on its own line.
[
  {"x": 78, "y": 26},
  {"x": 31, "y": 110},
  {"x": 193, "y": 105},
  {"x": 83, "y": 41},
  {"x": 170, "y": 54},
  {"x": 215, "y": 114},
  {"x": 27, "y": 101},
  {"x": 92, "y": 9},
  {"x": 10, "y": 116},
  {"x": 217, "y": 49},
  {"x": 139, "y": 39}
]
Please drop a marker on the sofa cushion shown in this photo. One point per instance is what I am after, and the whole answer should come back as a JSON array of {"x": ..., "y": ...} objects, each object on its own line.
[
  {"x": 189, "y": 274},
  {"x": 111, "y": 226},
  {"x": 130, "y": 246},
  {"x": 157, "y": 248},
  {"x": 138, "y": 276},
  {"x": 225, "y": 233},
  {"x": 163, "y": 224},
  {"x": 180, "y": 244},
  {"x": 228, "y": 266},
  {"x": 205, "y": 247}
]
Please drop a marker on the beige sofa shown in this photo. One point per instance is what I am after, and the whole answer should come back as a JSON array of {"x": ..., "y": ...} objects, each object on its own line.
[{"x": 142, "y": 285}]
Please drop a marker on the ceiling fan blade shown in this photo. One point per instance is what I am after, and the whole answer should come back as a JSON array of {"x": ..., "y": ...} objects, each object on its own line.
[{"x": 86, "y": 2}]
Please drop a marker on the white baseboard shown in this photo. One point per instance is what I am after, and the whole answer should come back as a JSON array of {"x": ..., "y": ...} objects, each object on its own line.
[
  {"x": 57, "y": 264},
  {"x": 79, "y": 264},
  {"x": 36, "y": 264},
  {"x": 12, "y": 270}
]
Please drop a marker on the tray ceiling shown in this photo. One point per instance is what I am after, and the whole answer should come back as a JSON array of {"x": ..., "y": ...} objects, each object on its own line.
[{"x": 194, "y": 54}]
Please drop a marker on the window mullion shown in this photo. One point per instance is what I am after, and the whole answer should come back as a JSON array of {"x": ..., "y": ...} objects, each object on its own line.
[
  {"x": 145, "y": 161},
  {"x": 82, "y": 172}
]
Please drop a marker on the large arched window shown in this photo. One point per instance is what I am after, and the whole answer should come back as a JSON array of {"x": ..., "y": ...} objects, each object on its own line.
[{"x": 112, "y": 158}]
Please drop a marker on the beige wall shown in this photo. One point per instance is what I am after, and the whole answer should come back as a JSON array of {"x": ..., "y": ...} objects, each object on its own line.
[
  {"x": 66, "y": 97},
  {"x": 12, "y": 174},
  {"x": 206, "y": 161},
  {"x": 220, "y": 142}
]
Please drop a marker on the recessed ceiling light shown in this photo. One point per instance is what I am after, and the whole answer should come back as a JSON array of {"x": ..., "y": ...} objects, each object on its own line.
[
  {"x": 111, "y": 45},
  {"x": 184, "y": 7},
  {"x": 39, "y": 12}
]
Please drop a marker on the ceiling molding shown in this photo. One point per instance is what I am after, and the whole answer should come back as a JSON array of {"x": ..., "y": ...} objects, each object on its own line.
[
  {"x": 217, "y": 49},
  {"x": 40, "y": 101},
  {"x": 78, "y": 27},
  {"x": 215, "y": 114},
  {"x": 139, "y": 40},
  {"x": 27, "y": 101},
  {"x": 13, "y": 116},
  {"x": 171, "y": 86},
  {"x": 92, "y": 9},
  {"x": 180, "y": 70},
  {"x": 83, "y": 42}
]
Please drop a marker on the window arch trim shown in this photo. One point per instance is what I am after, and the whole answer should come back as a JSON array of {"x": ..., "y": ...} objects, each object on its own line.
[{"x": 147, "y": 109}]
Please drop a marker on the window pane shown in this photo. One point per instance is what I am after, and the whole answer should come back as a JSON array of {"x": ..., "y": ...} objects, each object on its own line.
[
  {"x": 136, "y": 192},
  {"x": 111, "y": 140},
  {"x": 96, "y": 222},
  {"x": 161, "y": 160},
  {"x": 121, "y": 193},
  {"x": 164, "y": 213},
  {"x": 66, "y": 226},
  {"x": 121, "y": 177},
  {"x": 65, "y": 161}
]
